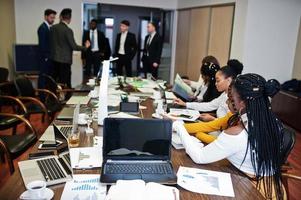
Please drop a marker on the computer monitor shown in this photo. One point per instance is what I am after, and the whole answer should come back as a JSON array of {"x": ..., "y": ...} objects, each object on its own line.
[{"x": 26, "y": 58}]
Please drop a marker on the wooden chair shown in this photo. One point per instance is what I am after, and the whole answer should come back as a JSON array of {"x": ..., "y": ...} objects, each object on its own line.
[{"x": 15, "y": 144}]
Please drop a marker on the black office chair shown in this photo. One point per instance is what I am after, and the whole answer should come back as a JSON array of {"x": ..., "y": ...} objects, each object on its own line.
[
  {"x": 27, "y": 93},
  {"x": 3, "y": 75},
  {"x": 15, "y": 144}
]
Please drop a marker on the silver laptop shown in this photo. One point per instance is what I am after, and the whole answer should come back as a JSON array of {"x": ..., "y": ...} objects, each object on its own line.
[
  {"x": 66, "y": 113},
  {"x": 51, "y": 169}
]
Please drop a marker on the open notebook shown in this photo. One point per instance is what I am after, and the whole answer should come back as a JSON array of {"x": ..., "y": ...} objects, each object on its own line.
[{"x": 138, "y": 189}]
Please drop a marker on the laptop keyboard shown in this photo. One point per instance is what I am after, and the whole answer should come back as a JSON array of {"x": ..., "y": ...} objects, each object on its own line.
[
  {"x": 138, "y": 168},
  {"x": 50, "y": 169},
  {"x": 66, "y": 130}
]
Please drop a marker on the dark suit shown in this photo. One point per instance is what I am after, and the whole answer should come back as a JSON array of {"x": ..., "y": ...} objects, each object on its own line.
[
  {"x": 152, "y": 54},
  {"x": 130, "y": 48},
  {"x": 62, "y": 45},
  {"x": 94, "y": 58},
  {"x": 44, "y": 53}
]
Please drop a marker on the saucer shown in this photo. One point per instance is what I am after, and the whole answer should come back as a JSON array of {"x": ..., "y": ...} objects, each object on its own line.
[{"x": 48, "y": 194}]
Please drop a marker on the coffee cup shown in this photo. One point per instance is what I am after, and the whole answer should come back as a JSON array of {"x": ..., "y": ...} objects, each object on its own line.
[{"x": 36, "y": 189}]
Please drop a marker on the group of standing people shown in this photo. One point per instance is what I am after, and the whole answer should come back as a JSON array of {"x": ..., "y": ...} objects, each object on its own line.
[{"x": 57, "y": 43}]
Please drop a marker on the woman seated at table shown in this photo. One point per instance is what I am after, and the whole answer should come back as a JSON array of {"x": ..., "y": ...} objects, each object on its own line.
[
  {"x": 206, "y": 78},
  {"x": 223, "y": 79},
  {"x": 253, "y": 141}
]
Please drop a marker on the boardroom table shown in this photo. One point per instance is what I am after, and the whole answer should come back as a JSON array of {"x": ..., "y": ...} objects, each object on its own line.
[{"x": 243, "y": 187}]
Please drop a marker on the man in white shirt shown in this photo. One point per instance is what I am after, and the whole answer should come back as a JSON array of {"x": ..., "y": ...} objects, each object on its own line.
[
  {"x": 94, "y": 55},
  {"x": 125, "y": 49}
]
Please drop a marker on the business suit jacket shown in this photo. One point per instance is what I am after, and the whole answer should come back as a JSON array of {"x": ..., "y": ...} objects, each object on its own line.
[
  {"x": 153, "y": 51},
  {"x": 130, "y": 45},
  {"x": 44, "y": 44},
  {"x": 101, "y": 40},
  {"x": 62, "y": 43}
]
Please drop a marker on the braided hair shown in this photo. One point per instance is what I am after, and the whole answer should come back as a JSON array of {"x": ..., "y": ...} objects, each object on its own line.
[
  {"x": 265, "y": 138},
  {"x": 209, "y": 70}
]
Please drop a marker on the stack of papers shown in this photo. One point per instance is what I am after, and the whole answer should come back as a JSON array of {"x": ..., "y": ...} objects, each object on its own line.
[
  {"x": 86, "y": 157},
  {"x": 205, "y": 181},
  {"x": 78, "y": 100},
  {"x": 122, "y": 115},
  {"x": 84, "y": 187},
  {"x": 170, "y": 95},
  {"x": 137, "y": 190},
  {"x": 183, "y": 114}
]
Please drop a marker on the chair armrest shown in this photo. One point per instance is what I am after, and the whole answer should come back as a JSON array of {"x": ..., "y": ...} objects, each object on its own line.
[
  {"x": 36, "y": 101},
  {"x": 21, "y": 119},
  {"x": 292, "y": 176},
  {"x": 49, "y": 94},
  {"x": 17, "y": 101}
]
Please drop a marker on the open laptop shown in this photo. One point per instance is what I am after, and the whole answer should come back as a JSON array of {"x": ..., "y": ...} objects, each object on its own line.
[
  {"x": 67, "y": 129},
  {"x": 51, "y": 169},
  {"x": 66, "y": 113},
  {"x": 137, "y": 149}
]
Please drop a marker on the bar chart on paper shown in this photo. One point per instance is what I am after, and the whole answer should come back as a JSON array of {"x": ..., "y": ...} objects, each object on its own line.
[{"x": 84, "y": 187}]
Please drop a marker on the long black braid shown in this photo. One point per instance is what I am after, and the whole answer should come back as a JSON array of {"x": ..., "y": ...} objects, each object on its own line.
[{"x": 265, "y": 137}]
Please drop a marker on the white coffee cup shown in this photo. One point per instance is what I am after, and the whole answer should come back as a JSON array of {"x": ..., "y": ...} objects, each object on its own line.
[
  {"x": 91, "y": 81},
  {"x": 36, "y": 189}
]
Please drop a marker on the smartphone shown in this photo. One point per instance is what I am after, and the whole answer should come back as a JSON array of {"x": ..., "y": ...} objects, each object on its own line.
[
  {"x": 129, "y": 107},
  {"x": 47, "y": 145}
]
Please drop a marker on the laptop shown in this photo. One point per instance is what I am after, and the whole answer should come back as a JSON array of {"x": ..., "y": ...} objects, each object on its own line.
[
  {"x": 66, "y": 113},
  {"x": 137, "y": 149},
  {"x": 67, "y": 129},
  {"x": 51, "y": 169}
]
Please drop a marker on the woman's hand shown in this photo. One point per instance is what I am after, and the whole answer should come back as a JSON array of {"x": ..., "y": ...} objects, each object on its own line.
[
  {"x": 179, "y": 102},
  {"x": 206, "y": 117}
]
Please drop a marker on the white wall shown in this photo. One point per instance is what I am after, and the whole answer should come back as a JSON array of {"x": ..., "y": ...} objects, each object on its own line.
[
  {"x": 29, "y": 15},
  {"x": 271, "y": 37}
]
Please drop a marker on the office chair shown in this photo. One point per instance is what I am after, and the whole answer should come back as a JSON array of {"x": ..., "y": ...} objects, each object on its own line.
[
  {"x": 29, "y": 96},
  {"x": 3, "y": 75},
  {"x": 15, "y": 144}
]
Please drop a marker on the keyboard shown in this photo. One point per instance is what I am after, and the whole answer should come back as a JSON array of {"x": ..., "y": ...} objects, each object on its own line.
[
  {"x": 138, "y": 168},
  {"x": 66, "y": 130},
  {"x": 50, "y": 169}
]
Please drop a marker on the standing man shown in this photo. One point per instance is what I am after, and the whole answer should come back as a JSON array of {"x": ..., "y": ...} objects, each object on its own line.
[
  {"x": 152, "y": 51},
  {"x": 96, "y": 52},
  {"x": 125, "y": 49},
  {"x": 44, "y": 46},
  {"x": 62, "y": 46}
]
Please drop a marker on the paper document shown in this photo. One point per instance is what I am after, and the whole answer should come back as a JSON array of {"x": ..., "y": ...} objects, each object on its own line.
[
  {"x": 84, "y": 187},
  {"x": 181, "y": 88},
  {"x": 78, "y": 99},
  {"x": 138, "y": 189},
  {"x": 122, "y": 115},
  {"x": 205, "y": 181},
  {"x": 86, "y": 157},
  {"x": 170, "y": 95},
  {"x": 183, "y": 114},
  {"x": 147, "y": 90}
]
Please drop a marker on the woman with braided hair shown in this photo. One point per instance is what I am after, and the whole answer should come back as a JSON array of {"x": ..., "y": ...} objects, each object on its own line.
[{"x": 253, "y": 140}]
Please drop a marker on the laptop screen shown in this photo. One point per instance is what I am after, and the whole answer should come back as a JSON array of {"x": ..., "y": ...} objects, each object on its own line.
[{"x": 137, "y": 139}]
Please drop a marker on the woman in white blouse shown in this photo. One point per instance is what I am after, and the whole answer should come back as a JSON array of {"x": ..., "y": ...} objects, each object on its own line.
[
  {"x": 253, "y": 141},
  {"x": 223, "y": 79}
]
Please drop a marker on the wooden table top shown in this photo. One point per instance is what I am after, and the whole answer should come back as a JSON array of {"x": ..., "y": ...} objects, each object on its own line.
[{"x": 243, "y": 187}]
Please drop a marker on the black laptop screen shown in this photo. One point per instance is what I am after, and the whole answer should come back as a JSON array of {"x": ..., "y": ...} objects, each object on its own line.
[{"x": 137, "y": 139}]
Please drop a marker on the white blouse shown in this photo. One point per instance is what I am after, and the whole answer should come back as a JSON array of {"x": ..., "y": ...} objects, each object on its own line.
[
  {"x": 231, "y": 147},
  {"x": 219, "y": 104}
]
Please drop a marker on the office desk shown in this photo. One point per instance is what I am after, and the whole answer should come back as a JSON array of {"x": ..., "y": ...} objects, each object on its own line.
[{"x": 243, "y": 187}]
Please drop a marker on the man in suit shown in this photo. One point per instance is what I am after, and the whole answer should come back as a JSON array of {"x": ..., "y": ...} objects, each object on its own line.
[
  {"x": 96, "y": 52},
  {"x": 62, "y": 45},
  {"x": 44, "y": 46},
  {"x": 152, "y": 51},
  {"x": 125, "y": 49}
]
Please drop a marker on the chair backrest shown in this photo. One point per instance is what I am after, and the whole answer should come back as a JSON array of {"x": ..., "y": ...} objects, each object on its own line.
[
  {"x": 24, "y": 87},
  {"x": 289, "y": 140},
  {"x": 50, "y": 83},
  {"x": 8, "y": 88},
  {"x": 3, "y": 75}
]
